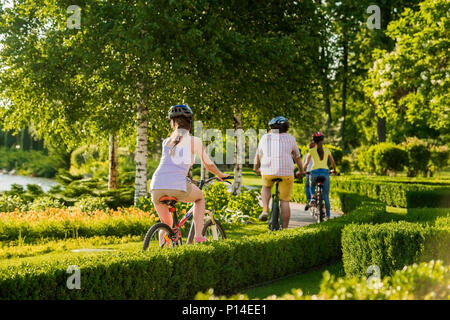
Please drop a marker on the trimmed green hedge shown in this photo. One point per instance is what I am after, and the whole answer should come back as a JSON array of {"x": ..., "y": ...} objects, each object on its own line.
[
  {"x": 425, "y": 281},
  {"x": 180, "y": 273},
  {"x": 391, "y": 246},
  {"x": 404, "y": 195}
]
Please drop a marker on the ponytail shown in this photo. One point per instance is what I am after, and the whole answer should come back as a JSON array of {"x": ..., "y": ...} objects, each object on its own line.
[{"x": 177, "y": 141}]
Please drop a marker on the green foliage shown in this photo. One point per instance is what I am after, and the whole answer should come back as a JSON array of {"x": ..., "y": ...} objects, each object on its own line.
[
  {"x": 43, "y": 203},
  {"x": 411, "y": 82},
  {"x": 424, "y": 281},
  {"x": 346, "y": 165},
  {"x": 90, "y": 204},
  {"x": 396, "y": 194},
  {"x": 439, "y": 157},
  {"x": 9, "y": 203},
  {"x": 389, "y": 157},
  {"x": 418, "y": 156},
  {"x": 31, "y": 162},
  {"x": 391, "y": 246}
]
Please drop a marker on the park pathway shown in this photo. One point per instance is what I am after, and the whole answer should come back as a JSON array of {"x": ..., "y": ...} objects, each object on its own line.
[{"x": 300, "y": 217}]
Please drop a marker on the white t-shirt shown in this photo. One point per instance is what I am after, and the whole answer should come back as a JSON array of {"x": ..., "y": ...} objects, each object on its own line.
[{"x": 276, "y": 152}]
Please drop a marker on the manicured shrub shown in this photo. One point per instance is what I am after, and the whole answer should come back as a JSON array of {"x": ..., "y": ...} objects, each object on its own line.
[
  {"x": 346, "y": 165},
  {"x": 418, "y": 156},
  {"x": 396, "y": 194},
  {"x": 391, "y": 246},
  {"x": 425, "y": 281},
  {"x": 388, "y": 157},
  {"x": 439, "y": 158}
]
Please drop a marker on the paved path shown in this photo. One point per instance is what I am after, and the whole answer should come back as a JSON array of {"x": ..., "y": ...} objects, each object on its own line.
[{"x": 300, "y": 217}]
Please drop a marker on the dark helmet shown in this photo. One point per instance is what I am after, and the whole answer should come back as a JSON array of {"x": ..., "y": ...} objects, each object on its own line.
[
  {"x": 318, "y": 136},
  {"x": 180, "y": 110},
  {"x": 278, "y": 122}
]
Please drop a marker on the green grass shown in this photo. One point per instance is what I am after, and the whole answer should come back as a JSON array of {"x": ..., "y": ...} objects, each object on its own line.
[{"x": 309, "y": 282}]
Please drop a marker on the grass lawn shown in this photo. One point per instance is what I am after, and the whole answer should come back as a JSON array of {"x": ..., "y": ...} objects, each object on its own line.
[{"x": 309, "y": 282}]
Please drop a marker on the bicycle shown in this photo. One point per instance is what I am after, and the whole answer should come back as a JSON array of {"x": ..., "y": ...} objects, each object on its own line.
[
  {"x": 318, "y": 206},
  {"x": 167, "y": 236},
  {"x": 275, "y": 220}
]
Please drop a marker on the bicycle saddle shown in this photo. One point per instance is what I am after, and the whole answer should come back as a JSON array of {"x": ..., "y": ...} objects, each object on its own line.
[
  {"x": 277, "y": 180},
  {"x": 321, "y": 179},
  {"x": 170, "y": 201}
]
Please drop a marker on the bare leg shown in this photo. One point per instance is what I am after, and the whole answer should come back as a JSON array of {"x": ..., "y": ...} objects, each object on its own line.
[
  {"x": 196, "y": 196},
  {"x": 165, "y": 216},
  {"x": 265, "y": 197},
  {"x": 285, "y": 213}
]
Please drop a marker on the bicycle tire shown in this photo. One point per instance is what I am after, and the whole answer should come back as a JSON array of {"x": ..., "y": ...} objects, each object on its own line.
[
  {"x": 209, "y": 225},
  {"x": 274, "y": 223},
  {"x": 321, "y": 207},
  {"x": 155, "y": 228}
]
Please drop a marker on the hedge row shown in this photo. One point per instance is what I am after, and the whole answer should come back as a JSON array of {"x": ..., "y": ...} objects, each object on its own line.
[
  {"x": 397, "y": 194},
  {"x": 430, "y": 280},
  {"x": 390, "y": 246},
  {"x": 180, "y": 273}
]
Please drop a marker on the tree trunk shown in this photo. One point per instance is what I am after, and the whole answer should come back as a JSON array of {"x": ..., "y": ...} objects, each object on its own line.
[
  {"x": 203, "y": 172},
  {"x": 238, "y": 151},
  {"x": 326, "y": 88},
  {"x": 141, "y": 153},
  {"x": 344, "y": 93},
  {"x": 113, "y": 162},
  {"x": 381, "y": 129}
]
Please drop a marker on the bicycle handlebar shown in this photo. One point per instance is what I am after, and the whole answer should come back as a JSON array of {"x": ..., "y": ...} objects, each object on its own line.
[{"x": 202, "y": 183}]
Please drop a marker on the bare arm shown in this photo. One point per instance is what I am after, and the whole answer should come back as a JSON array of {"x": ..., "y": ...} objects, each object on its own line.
[
  {"x": 209, "y": 165},
  {"x": 333, "y": 164},
  {"x": 308, "y": 159},
  {"x": 257, "y": 164}
]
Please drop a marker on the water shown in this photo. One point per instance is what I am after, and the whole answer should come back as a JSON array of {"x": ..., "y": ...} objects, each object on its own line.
[{"x": 6, "y": 180}]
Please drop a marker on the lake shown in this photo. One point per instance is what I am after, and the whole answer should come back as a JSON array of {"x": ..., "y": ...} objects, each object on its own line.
[{"x": 6, "y": 180}]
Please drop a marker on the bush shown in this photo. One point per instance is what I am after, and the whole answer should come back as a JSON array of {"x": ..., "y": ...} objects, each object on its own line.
[
  {"x": 389, "y": 157},
  {"x": 43, "y": 203},
  {"x": 346, "y": 165},
  {"x": 418, "y": 156},
  {"x": 425, "y": 281},
  {"x": 90, "y": 204},
  {"x": 396, "y": 194},
  {"x": 10, "y": 203},
  {"x": 439, "y": 157},
  {"x": 366, "y": 160},
  {"x": 391, "y": 246}
]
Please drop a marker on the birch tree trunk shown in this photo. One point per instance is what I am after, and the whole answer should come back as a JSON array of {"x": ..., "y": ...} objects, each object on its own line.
[
  {"x": 141, "y": 153},
  {"x": 113, "y": 162},
  {"x": 238, "y": 153}
]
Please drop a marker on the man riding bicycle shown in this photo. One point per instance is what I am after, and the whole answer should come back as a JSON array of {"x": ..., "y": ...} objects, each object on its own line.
[
  {"x": 320, "y": 156},
  {"x": 277, "y": 151},
  {"x": 178, "y": 155}
]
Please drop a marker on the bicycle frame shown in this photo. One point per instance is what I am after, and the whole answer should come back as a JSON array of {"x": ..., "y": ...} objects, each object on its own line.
[{"x": 179, "y": 224}]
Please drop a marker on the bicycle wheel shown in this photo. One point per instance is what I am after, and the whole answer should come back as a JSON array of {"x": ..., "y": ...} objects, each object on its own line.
[
  {"x": 152, "y": 238},
  {"x": 212, "y": 231},
  {"x": 321, "y": 213},
  {"x": 274, "y": 223}
]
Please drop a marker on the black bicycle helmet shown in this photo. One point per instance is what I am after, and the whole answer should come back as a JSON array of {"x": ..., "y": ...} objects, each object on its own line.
[
  {"x": 278, "y": 122},
  {"x": 180, "y": 110},
  {"x": 318, "y": 136}
]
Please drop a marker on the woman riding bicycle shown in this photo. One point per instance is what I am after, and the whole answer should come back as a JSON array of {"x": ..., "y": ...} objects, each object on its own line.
[
  {"x": 170, "y": 179},
  {"x": 320, "y": 156}
]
